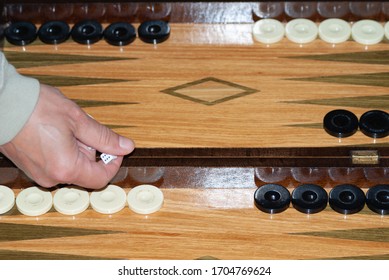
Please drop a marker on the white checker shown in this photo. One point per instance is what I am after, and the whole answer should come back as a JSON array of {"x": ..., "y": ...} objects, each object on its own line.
[
  {"x": 334, "y": 31},
  {"x": 107, "y": 158},
  {"x": 268, "y": 31},
  {"x": 386, "y": 30},
  {"x": 109, "y": 200},
  {"x": 71, "y": 201},
  {"x": 301, "y": 30},
  {"x": 34, "y": 201},
  {"x": 145, "y": 199},
  {"x": 367, "y": 32},
  {"x": 7, "y": 199}
]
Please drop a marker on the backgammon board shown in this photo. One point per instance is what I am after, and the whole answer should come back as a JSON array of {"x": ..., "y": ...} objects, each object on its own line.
[{"x": 214, "y": 115}]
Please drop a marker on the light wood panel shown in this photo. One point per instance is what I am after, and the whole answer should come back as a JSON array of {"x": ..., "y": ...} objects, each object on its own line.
[
  {"x": 208, "y": 210},
  {"x": 203, "y": 89},
  {"x": 196, "y": 223}
]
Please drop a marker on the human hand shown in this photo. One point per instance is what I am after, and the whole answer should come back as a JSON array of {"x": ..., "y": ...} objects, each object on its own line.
[{"x": 53, "y": 146}]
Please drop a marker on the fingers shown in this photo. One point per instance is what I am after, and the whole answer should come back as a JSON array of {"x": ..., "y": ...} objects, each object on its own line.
[
  {"x": 95, "y": 175},
  {"x": 89, "y": 152},
  {"x": 89, "y": 173},
  {"x": 90, "y": 133},
  {"x": 53, "y": 146},
  {"x": 102, "y": 138},
  {"x": 85, "y": 171}
]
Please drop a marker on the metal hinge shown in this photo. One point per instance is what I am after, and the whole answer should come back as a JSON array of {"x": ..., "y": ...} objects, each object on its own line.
[{"x": 368, "y": 157}]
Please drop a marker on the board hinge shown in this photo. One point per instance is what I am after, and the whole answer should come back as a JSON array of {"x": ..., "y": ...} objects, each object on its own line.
[{"x": 365, "y": 157}]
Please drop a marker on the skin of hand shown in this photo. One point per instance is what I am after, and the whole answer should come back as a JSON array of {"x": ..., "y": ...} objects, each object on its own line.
[{"x": 53, "y": 146}]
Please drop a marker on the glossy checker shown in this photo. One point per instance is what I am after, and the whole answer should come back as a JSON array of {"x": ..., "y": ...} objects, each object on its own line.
[
  {"x": 21, "y": 33},
  {"x": 145, "y": 199},
  {"x": 34, "y": 201},
  {"x": 386, "y": 30},
  {"x": 377, "y": 199},
  {"x": 367, "y": 32},
  {"x": 87, "y": 32},
  {"x": 7, "y": 199},
  {"x": 54, "y": 32},
  {"x": 309, "y": 198},
  {"x": 268, "y": 31},
  {"x": 109, "y": 200},
  {"x": 154, "y": 31},
  {"x": 120, "y": 34},
  {"x": 71, "y": 201},
  {"x": 301, "y": 31},
  {"x": 340, "y": 123},
  {"x": 347, "y": 199},
  {"x": 272, "y": 198},
  {"x": 374, "y": 123},
  {"x": 334, "y": 31}
]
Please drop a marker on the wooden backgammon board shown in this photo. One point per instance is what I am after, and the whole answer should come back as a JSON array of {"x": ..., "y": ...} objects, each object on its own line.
[{"x": 215, "y": 115}]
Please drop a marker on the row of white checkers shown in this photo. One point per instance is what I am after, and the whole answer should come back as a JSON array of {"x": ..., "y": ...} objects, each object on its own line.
[
  {"x": 334, "y": 31},
  {"x": 34, "y": 201}
]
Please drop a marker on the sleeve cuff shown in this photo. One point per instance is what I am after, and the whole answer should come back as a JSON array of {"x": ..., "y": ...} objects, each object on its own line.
[{"x": 18, "y": 98}]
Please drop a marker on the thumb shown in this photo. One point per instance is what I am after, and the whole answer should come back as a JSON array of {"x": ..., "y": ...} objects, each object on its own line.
[{"x": 103, "y": 139}]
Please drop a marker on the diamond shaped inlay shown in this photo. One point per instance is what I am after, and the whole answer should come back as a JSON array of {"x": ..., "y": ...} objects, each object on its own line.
[{"x": 209, "y": 91}]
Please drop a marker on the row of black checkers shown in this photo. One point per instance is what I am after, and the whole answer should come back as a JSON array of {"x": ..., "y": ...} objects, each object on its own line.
[
  {"x": 343, "y": 123},
  {"x": 87, "y": 32},
  {"x": 310, "y": 198}
]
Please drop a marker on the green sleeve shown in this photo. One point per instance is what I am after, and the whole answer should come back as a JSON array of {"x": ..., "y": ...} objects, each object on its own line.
[{"x": 18, "y": 97}]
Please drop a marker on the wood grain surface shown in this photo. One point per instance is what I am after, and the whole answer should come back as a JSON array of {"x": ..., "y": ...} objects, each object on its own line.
[
  {"x": 196, "y": 223},
  {"x": 213, "y": 86},
  {"x": 210, "y": 86}
]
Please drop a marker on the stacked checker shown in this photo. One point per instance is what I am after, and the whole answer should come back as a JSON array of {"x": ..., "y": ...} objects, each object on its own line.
[
  {"x": 267, "y": 31},
  {"x": 310, "y": 199},
  {"x": 86, "y": 32},
  {"x": 343, "y": 123},
  {"x": 35, "y": 201},
  {"x": 334, "y": 31},
  {"x": 147, "y": 199}
]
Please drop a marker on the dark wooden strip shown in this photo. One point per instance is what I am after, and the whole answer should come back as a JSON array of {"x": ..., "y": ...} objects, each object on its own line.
[
  {"x": 370, "y": 57},
  {"x": 175, "y": 11},
  {"x": 368, "y": 102},
  {"x": 62, "y": 81},
  {"x": 28, "y": 60},
  {"x": 247, "y": 157},
  {"x": 368, "y": 234},
  {"x": 207, "y": 258},
  {"x": 374, "y": 79},
  {"x": 371, "y": 257},
  {"x": 26, "y": 255},
  {"x": 15, "y": 232},
  {"x": 112, "y": 126},
  {"x": 307, "y": 125},
  {"x": 97, "y": 103},
  {"x": 172, "y": 11}
]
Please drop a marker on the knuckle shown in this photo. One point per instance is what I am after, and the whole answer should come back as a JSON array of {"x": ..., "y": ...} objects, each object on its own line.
[
  {"x": 61, "y": 172},
  {"x": 46, "y": 183},
  {"x": 99, "y": 185},
  {"x": 76, "y": 112},
  {"x": 41, "y": 179},
  {"x": 105, "y": 135}
]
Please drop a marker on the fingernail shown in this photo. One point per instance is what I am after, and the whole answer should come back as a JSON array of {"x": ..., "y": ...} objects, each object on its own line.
[{"x": 126, "y": 143}]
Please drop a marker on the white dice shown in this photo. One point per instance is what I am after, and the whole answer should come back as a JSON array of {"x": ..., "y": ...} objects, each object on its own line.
[{"x": 107, "y": 158}]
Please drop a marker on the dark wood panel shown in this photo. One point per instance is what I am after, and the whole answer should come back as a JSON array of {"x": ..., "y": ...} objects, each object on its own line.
[{"x": 192, "y": 11}]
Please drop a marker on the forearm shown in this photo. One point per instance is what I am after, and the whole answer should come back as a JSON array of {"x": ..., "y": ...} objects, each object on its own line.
[{"x": 18, "y": 98}]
